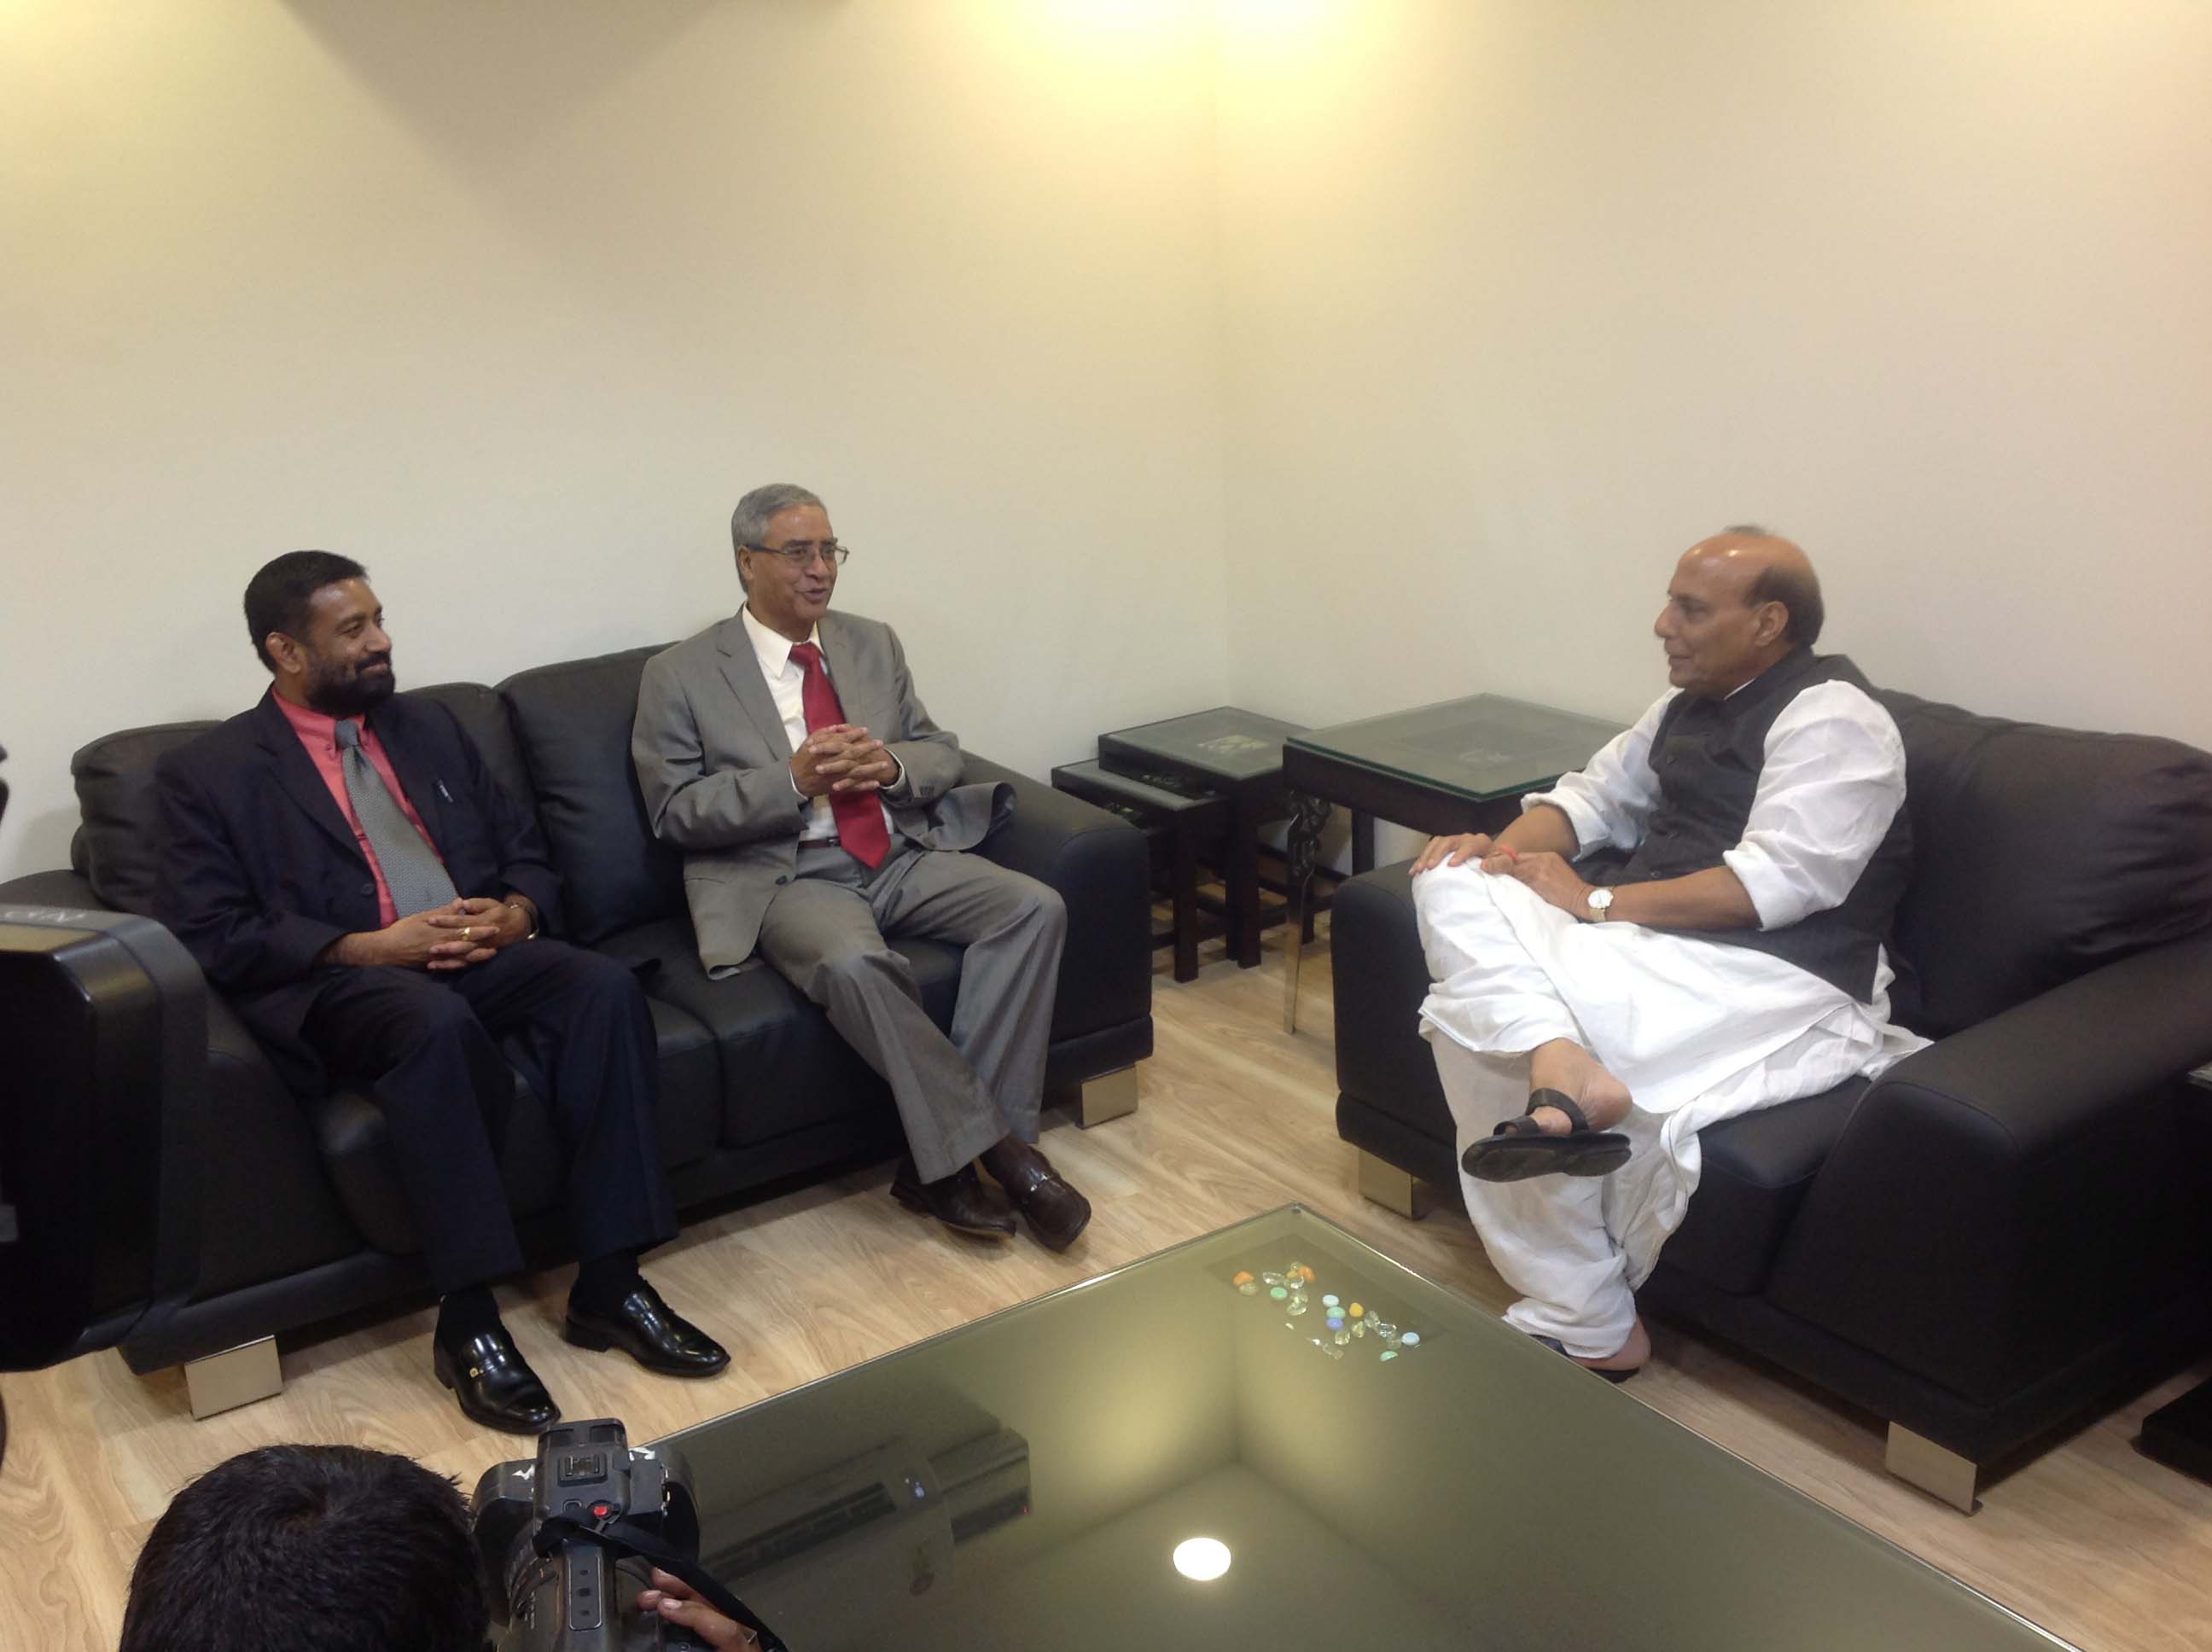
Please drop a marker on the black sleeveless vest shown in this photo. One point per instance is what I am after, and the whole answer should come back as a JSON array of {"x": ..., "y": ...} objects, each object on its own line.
[{"x": 1707, "y": 755}]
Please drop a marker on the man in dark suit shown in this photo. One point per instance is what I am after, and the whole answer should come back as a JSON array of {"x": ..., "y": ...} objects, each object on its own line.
[{"x": 347, "y": 871}]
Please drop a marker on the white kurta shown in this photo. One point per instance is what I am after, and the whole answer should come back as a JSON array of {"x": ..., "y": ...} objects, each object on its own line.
[{"x": 1698, "y": 1030}]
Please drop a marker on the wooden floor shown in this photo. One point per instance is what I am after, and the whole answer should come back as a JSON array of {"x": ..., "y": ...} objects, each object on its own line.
[{"x": 2089, "y": 1540}]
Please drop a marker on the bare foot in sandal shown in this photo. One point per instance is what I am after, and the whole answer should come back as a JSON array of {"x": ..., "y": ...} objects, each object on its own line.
[
  {"x": 1629, "y": 1356},
  {"x": 1566, "y": 1130},
  {"x": 1567, "y": 1067}
]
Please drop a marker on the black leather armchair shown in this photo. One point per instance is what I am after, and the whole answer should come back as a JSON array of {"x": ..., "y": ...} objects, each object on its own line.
[
  {"x": 2006, "y": 1228},
  {"x": 299, "y": 1217}
]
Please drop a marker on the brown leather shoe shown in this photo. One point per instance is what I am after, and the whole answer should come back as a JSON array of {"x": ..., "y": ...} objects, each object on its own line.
[
  {"x": 961, "y": 1201},
  {"x": 1057, "y": 1213}
]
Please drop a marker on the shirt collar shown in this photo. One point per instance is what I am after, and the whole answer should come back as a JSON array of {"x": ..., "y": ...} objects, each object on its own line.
[
  {"x": 773, "y": 648},
  {"x": 310, "y": 724}
]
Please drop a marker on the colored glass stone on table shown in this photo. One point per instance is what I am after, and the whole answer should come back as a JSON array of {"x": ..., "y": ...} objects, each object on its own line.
[
  {"x": 1277, "y": 1292},
  {"x": 1329, "y": 1300},
  {"x": 1411, "y": 1340},
  {"x": 1389, "y": 1353}
]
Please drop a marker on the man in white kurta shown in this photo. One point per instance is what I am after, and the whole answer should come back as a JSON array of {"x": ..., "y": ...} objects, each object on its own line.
[{"x": 1678, "y": 990}]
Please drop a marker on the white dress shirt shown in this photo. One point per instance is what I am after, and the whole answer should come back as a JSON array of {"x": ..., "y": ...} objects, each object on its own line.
[
  {"x": 1832, "y": 780},
  {"x": 786, "y": 682}
]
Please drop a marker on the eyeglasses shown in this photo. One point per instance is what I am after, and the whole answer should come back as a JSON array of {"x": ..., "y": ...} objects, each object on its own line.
[{"x": 801, "y": 552}]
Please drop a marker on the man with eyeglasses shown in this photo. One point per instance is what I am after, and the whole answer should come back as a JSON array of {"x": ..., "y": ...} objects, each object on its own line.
[{"x": 820, "y": 811}]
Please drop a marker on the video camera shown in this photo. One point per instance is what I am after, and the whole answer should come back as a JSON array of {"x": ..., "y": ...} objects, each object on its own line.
[{"x": 568, "y": 1541}]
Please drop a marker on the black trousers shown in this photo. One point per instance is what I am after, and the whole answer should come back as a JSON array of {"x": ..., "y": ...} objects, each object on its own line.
[{"x": 427, "y": 1047}]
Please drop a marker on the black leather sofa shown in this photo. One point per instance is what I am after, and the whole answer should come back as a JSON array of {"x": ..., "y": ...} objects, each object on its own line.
[
  {"x": 2006, "y": 1228},
  {"x": 294, "y": 1215}
]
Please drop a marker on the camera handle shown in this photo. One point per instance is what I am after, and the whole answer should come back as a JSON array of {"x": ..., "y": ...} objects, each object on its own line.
[{"x": 624, "y": 1536}]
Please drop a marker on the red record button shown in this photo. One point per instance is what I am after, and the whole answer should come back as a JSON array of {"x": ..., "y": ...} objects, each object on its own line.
[{"x": 601, "y": 1510}]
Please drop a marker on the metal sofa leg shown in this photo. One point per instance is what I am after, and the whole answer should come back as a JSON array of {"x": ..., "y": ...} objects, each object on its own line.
[
  {"x": 1921, "y": 1462},
  {"x": 1110, "y": 1096},
  {"x": 1388, "y": 1185},
  {"x": 236, "y": 1377}
]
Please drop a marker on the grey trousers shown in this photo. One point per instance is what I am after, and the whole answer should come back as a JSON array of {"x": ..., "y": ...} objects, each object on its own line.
[{"x": 824, "y": 933}]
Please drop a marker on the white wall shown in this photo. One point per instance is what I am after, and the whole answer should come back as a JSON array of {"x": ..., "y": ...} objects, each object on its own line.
[
  {"x": 1363, "y": 353},
  {"x": 512, "y": 301},
  {"x": 1526, "y": 295}
]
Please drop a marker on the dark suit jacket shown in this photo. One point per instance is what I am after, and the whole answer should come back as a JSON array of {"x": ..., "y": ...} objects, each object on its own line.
[{"x": 260, "y": 872}]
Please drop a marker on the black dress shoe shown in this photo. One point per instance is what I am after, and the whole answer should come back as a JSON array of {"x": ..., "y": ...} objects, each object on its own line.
[
  {"x": 494, "y": 1383},
  {"x": 961, "y": 1201},
  {"x": 1057, "y": 1213},
  {"x": 650, "y": 1331}
]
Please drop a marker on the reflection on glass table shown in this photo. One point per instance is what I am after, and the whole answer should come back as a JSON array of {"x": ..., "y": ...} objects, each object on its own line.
[{"x": 1029, "y": 1481}]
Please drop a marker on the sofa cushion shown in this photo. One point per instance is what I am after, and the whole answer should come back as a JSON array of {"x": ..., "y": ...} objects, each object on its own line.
[
  {"x": 574, "y": 722},
  {"x": 786, "y": 1067},
  {"x": 1756, "y": 1169},
  {"x": 118, "y": 847},
  {"x": 2040, "y": 853}
]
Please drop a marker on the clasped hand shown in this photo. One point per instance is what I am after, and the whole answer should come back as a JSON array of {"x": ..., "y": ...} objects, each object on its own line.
[
  {"x": 1553, "y": 877},
  {"x": 841, "y": 757},
  {"x": 467, "y": 931}
]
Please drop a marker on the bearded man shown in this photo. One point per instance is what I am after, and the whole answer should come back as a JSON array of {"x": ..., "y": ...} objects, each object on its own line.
[{"x": 380, "y": 913}]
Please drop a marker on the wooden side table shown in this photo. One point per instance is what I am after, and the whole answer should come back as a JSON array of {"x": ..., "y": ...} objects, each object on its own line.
[
  {"x": 1458, "y": 766},
  {"x": 1182, "y": 824},
  {"x": 1232, "y": 753}
]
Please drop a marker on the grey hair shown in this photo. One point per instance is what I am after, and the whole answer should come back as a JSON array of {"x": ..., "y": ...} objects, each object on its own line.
[{"x": 749, "y": 522}]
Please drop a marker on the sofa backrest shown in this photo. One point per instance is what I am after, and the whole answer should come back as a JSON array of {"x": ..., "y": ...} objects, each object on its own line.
[
  {"x": 118, "y": 845},
  {"x": 573, "y": 721},
  {"x": 2040, "y": 853}
]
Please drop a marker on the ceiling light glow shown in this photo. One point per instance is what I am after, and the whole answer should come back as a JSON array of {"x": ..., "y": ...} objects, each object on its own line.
[{"x": 1201, "y": 1559}]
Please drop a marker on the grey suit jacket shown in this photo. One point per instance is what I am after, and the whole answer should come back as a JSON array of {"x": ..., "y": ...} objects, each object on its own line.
[{"x": 714, "y": 766}]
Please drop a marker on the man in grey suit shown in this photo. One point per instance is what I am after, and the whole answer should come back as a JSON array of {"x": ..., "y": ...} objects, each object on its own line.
[{"x": 819, "y": 810}]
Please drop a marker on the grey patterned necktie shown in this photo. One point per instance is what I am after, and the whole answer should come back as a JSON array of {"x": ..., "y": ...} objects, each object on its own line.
[{"x": 412, "y": 870}]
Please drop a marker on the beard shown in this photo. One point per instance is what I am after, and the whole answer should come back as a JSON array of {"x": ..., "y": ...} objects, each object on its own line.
[{"x": 349, "y": 690}]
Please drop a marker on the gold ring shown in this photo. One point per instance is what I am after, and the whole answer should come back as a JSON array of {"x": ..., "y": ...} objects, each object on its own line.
[{"x": 467, "y": 933}]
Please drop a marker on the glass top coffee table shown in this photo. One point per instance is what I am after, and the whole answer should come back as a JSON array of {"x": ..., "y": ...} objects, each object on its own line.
[{"x": 1164, "y": 1458}]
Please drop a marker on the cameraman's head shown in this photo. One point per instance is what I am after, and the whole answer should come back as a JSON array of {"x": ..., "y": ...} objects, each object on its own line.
[{"x": 318, "y": 1548}]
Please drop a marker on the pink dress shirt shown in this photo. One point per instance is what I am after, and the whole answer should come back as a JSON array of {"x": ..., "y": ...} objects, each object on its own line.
[{"x": 319, "y": 734}]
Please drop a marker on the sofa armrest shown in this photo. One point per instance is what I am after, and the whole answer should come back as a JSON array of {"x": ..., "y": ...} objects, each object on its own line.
[
  {"x": 1100, "y": 866},
  {"x": 51, "y": 889},
  {"x": 2012, "y": 1195}
]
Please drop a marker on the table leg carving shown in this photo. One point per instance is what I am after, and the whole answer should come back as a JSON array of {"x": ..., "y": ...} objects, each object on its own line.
[{"x": 1309, "y": 815}]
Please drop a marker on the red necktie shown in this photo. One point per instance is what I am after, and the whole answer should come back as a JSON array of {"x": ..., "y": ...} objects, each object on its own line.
[{"x": 859, "y": 815}]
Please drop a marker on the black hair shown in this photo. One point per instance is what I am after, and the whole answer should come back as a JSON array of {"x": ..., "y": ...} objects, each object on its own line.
[
  {"x": 277, "y": 598},
  {"x": 319, "y": 1548}
]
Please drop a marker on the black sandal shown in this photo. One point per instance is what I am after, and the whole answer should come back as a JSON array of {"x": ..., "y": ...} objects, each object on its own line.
[
  {"x": 1517, "y": 1149},
  {"x": 1610, "y": 1373}
]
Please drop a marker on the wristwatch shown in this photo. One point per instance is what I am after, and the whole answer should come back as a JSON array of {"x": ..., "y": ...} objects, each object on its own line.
[{"x": 1600, "y": 903}]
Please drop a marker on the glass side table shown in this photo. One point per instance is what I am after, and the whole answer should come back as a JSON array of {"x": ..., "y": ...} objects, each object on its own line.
[
  {"x": 1226, "y": 752},
  {"x": 1457, "y": 766}
]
